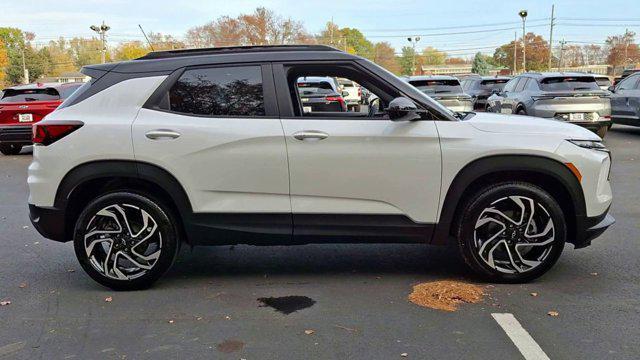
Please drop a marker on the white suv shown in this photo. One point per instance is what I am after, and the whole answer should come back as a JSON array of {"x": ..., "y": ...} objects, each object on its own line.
[{"x": 212, "y": 147}]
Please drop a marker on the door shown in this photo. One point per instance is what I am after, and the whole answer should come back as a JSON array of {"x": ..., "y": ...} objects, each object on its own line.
[
  {"x": 624, "y": 101},
  {"x": 216, "y": 130},
  {"x": 508, "y": 94},
  {"x": 357, "y": 172}
]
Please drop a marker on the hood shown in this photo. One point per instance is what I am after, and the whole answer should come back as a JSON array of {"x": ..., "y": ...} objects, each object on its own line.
[{"x": 518, "y": 124}]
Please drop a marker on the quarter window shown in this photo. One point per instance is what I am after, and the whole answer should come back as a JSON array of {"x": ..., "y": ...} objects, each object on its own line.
[
  {"x": 224, "y": 91},
  {"x": 511, "y": 85}
]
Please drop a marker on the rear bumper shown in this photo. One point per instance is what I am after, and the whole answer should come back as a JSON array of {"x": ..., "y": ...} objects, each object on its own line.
[
  {"x": 592, "y": 227},
  {"x": 49, "y": 222},
  {"x": 18, "y": 134},
  {"x": 593, "y": 125}
]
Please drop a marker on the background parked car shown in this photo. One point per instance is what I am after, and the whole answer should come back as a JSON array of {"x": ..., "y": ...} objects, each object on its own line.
[
  {"x": 320, "y": 94},
  {"x": 444, "y": 89},
  {"x": 352, "y": 94},
  {"x": 481, "y": 87},
  {"x": 21, "y": 106},
  {"x": 625, "y": 101},
  {"x": 572, "y": 97},
  {"x": 625, "y": 73}
]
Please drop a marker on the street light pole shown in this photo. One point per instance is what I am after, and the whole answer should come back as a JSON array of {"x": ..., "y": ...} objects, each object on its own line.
[
  {"x": 102, "y": 31},
  {"x": 523, "y": 14},
  {"x": 413, "y": 41}
]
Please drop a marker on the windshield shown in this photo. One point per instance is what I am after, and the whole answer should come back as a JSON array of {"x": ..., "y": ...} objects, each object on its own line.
[
  {"x": 494, "y": 84},
  {"x": 603, "y": 82},
  {"x": 437, "y": 86},
  {"x": 567, "y": 83},
  {"x": 25, "y": 95}
]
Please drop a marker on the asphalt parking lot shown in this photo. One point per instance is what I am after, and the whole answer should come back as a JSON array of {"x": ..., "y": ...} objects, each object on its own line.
[{"x": 207, "y": 307}]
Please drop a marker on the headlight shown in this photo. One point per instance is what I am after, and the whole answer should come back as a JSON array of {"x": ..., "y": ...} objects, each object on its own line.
[{"x": 590, "y": 144}]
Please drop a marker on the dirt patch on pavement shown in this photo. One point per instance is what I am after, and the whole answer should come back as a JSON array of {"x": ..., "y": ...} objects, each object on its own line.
[
  {"x": 287, "y": 304},
  {"x": 229, "y": 346},
  {"x": 445, "y": 295}
]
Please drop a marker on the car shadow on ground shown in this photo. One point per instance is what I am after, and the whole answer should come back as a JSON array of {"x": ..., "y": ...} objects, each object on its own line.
[
  {"x": 623, "y": 129},
  {"x": 316, "y": 260}
]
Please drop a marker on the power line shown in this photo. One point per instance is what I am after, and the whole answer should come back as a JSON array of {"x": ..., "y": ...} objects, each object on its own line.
[{"x": 450, "y": 27}]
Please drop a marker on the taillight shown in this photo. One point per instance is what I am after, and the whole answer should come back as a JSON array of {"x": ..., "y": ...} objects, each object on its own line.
[
  {"x": 45, "y": 133},
  {"x": 338, "y": 99},
  {"x": 359, "y": 92}
]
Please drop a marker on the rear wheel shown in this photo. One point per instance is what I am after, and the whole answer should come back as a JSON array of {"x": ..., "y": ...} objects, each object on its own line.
[
  {"x": 602, "y": 131},
  {"x": 511, "y": 232},
  {"x": 125, "y": 241},
  {"x": 10, "y": 149},
  {"x": 521, "y": 111}
]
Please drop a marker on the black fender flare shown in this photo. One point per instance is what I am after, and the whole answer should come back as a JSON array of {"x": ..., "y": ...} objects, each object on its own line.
[{"x": 500, "y": 164}]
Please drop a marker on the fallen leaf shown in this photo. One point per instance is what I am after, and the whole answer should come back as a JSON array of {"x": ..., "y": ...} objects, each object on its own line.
[
  {"x": 25, "y": 227},
  {"x": 171, "y": 321},
  {"x": 108, "y": 299},
  {"x": 404, "y": 354},
  {"x": 228, "y": 317},
  {"x": 534, "y": 294},
  {"x": 22, "y": 285},
  {"x": 5, "y": 302},
  {"x": 71, "y": 270},
  {"x": 445, "y": 294},
  {"x": 594, "y": 274},
  {"x": 553, "y": 313},
  {"x": 309, "y": 332},
  {"x": 199, "y": 318}
]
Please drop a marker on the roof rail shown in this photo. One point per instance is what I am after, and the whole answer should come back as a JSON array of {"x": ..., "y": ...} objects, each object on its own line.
[{"x": 233, "y": 49}]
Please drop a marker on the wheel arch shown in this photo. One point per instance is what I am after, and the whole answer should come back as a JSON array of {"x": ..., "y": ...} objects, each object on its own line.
[
  {"x": 88, "y": 180},
  {"x": 549, "y": 174}
]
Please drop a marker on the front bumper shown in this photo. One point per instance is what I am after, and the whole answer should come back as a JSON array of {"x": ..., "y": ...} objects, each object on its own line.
[
  {"x": 592, "y": 125},
  {"x": 18, "y": 134},
  {"x": 50, "y": 222},
  {"x": 589, "y": 228}
]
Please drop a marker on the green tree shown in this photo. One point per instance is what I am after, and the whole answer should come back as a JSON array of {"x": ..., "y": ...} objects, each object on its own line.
[
  {"x": 406, "y": 60},
  {"x": 130, "y": 50},
  {"x": 480, "y": 64},
  {"x": 86, "y": 51},
  {"x": 431, "y": 56}
]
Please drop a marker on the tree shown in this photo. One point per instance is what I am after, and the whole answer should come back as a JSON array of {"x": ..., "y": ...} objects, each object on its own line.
[
  {"x": 480, "y": 64},
  {"x": 431, "y": 56},
  {"x": 165, "y": 42},
  {"x": 537, "y": 53},
  {"x": 622, "y": 49},
  {"x": 86, "y": 51},
  {"x": 406, "y": 60},
  {"x": 60, "y": 57},
  {"x": 384, "y": 55},
  {"x": 356, "y": 43},
  {"x": 4, "y": 62},
  {"x": 130, "y": 50},
  {"x": 455, "y": 61}
]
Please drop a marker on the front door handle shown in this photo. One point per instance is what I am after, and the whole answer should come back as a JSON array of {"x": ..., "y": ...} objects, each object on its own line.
[
  {"x": 310, "y": 135},
  {"x": 161, "y": 134}
]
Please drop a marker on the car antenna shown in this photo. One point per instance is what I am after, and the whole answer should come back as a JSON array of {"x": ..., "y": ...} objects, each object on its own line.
[{"x": 145, "y": 36}]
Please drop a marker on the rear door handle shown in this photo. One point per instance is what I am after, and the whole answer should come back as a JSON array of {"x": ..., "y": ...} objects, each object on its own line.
[
  {"x": 310, "y": 135},
  {"x": 161, "y": 134}
]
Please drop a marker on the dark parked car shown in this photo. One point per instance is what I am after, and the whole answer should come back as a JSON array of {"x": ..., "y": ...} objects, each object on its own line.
[
  {"x": 625, "y": 101},
  {"x": 571, "y": 97},
  {"x": 320, "y": 94},
  {"x": 444, "y": 89},
  {"x": 481, "y": 87}
]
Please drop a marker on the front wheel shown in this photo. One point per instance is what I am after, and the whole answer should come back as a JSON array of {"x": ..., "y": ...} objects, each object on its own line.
[
  {"x": 125, "y": 241},
  {"x": 511, "y": 232},
  {"x": 10, "y": 149}
]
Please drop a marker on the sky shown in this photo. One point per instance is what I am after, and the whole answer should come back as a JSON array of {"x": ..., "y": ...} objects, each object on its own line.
[{"x": 460, "y": 27}]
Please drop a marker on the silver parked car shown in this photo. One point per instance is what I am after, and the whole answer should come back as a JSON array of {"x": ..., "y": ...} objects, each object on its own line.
[
  {"x": 625, "y": 101},
  {"x": 571, "y": 97},
  {"x": 444, "y": 89}
]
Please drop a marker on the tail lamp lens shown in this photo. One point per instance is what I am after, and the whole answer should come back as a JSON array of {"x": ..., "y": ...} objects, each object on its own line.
[{"x": 46, "y": 133}]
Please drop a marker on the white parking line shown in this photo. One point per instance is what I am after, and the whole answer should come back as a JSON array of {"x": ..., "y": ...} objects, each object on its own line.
[{"x": 528, "y": 347}]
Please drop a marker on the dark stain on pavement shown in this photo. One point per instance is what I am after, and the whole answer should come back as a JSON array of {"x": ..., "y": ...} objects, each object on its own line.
[
  {"x": 229, "y": 346},
  {"x": 287, "y": 304}
]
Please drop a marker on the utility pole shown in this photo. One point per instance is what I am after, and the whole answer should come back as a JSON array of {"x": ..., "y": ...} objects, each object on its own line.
[
  {"x": 515, "y": 52},
  {"x": 331, "y": 31},
  {"x": 551, "y": 36},
  {"x": 413, "y": 41},
  {"x": 102, "y": 31},
  {"x": 561, "y": 66},
  {"x": 523, "y": 14},
  {"x": 25, "y": 71},
  {"x": 626, "y": 47}
]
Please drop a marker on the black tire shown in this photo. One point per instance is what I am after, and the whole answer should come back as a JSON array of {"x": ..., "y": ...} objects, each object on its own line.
[
  {"x": 166, "y": 231},
  {"x": 521, "y": 111},
  {"x": 10, "y": 149},
  {"x": 493, "y": 197},
  {"x": 602, "y": 131}
]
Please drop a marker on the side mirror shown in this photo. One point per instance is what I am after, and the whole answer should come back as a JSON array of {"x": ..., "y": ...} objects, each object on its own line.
[
  {"x": 612, "y": 88},
  {"x": 345, "y": 93},
  {"x": 403, "y": 109}
]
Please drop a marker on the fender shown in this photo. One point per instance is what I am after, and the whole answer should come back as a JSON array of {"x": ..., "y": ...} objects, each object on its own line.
[{"x": 501, "y": 164}]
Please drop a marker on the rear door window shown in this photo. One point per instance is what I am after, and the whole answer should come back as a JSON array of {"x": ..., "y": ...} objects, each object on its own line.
[
  {"x": 221, "y": 91},
  {"x": 569, "y": 83},
  {"x": 521, "y": 84},
  {"x": 511, "y": 85},
  {"x": 494, "y": 84},
  {"x": 27, "y": 95}
]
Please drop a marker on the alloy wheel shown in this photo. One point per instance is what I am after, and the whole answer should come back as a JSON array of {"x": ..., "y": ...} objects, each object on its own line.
[
  {"x": 122, "y": 241},
  {"x": 515, "y": 234}
]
